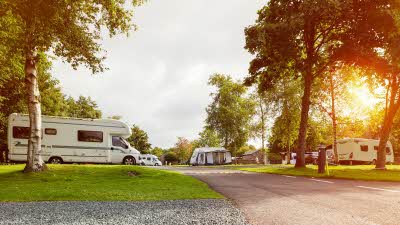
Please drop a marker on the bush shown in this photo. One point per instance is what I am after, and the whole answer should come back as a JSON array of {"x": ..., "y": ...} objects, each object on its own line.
[{"x": 274, "y": 156}]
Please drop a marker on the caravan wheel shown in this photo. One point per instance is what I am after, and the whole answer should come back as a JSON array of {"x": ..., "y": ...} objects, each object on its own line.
[
  {"x": 373, "y": 162},
  {"x": 55, "y": 160},
  {"x": 129, "y": 160}
]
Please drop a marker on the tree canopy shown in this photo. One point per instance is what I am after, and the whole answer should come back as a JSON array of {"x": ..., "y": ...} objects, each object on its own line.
[
  {"x": 230, "y": 112},
  {"x": 139, "y": 140}
]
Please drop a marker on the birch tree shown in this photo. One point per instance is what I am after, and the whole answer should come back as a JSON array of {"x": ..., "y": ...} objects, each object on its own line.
[{"x": 69, "y": 29}]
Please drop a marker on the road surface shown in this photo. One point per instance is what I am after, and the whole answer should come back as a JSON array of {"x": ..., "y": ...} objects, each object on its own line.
[{"x": 277, "y": 199}]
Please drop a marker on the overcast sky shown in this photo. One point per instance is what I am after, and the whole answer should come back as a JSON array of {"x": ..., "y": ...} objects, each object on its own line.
[{"x": 157, "y": 76}]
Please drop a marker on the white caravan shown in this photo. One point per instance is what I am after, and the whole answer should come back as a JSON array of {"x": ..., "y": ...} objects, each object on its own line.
[
  {"x": 210, "y": 156},
  {"x": 361, "y": 150},
  {"x": 72, "y": 140},
  {"x": 149, "y": 160}
]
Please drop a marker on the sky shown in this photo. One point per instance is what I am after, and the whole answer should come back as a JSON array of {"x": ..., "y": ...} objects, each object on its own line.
[{"x": 157, "y": 77}]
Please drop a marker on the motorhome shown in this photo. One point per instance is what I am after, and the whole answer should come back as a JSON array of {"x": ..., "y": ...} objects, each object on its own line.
[
  {"x": 210, "y": 156},
  {"x": 73, "y": 140},
  {"x": 360, "y": 150},
  {"x": 149, "y": 160}
]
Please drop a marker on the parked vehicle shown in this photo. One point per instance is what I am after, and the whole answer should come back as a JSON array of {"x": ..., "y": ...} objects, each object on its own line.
[
  {"x": 360, "y": 150},
  {"x": 309, "y": 158},
  {"x": 210, "y": 156},
  {"x": 149, "y": 160},
  {"x": 73, "y": 140}
]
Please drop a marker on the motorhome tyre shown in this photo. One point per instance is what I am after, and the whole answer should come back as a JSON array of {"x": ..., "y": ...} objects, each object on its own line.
[
  {"x": 55, "y": 160},
  {"x": 129, "y": 160}
]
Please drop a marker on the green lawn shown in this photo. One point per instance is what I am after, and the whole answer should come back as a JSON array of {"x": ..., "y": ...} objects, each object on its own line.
[
  {"x": 344, "y": 172},
  {"x": 99, "y": 183}
]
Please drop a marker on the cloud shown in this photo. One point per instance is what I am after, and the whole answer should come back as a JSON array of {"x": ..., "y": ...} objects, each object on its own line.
[{"x": 158, "y": 75}]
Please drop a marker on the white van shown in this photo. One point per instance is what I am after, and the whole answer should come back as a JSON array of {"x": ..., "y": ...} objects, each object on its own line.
[
  {"x": 73, "y": 140},
  {"x": 361, "y": 150},
  {"x": 149, "y": 160}
]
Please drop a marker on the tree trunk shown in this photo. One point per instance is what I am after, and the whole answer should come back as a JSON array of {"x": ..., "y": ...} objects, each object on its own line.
[
  {"x": 263, "y": 129},
  {"x": 334, "y": 124},
  {"x": 305, "y": 107},
  {"x": 34, "y": 161},
  {"x": 391, "y": 111},
  {"x": 308, "y": 76},
  {"x": 289, "y": 157}
]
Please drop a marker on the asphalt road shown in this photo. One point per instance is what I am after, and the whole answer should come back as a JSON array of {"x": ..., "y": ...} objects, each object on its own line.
[{"x": 277, "y": 199}]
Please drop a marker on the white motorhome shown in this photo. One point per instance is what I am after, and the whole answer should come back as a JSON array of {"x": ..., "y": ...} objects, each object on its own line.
[
  {"x": 210, "y": 156},
  {"x": 149, "y": 160},
  {"x": 361, "y": 150},
  {"x": 73, "y": 140}
]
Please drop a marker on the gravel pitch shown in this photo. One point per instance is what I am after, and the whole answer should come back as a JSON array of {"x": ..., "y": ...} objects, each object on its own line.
[{"x": 210, "y": 211}]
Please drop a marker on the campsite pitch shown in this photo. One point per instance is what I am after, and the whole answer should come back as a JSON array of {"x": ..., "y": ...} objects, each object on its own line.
[{"x": 99, "y": 183}]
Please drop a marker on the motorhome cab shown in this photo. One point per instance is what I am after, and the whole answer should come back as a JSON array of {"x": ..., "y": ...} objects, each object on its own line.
[
  {"x": 361, "y": 150},
  {"x": 72, "y": 140}
]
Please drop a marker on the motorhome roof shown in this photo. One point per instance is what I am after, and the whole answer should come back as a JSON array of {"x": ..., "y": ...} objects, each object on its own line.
[
  {"x": 119, "y": 127},
  {"x": 47, "y": 118},
  {"x": 355, "y": 140},
  {"x": 211, "y": 149}
]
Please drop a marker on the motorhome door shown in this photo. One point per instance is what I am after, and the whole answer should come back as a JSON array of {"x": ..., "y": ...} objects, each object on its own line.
[{"x": 118, "y": 149}]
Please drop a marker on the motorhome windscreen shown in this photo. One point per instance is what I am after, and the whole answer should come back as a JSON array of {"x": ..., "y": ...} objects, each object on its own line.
[{"x": 119, "y": 142}]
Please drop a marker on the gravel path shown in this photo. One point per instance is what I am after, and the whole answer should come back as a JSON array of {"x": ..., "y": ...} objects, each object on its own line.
[{"x": 210, "y": 211}]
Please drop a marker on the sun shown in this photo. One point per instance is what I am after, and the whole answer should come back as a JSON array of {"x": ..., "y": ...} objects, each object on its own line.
[{"x": 363, "y": 97}]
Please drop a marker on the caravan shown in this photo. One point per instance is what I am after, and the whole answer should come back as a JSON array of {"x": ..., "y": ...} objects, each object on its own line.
[
  {"x": 72, "y": 140},
  {"x": 361, "y": 150},
  {"x": 210, "y": 156}
]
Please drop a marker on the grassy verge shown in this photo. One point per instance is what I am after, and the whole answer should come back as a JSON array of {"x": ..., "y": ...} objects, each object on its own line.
[
  {"x": 344, "y": 172},
  {"x": 99, "y": 183}
]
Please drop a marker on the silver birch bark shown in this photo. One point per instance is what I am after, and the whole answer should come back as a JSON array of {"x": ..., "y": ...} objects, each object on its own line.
[{"x": 34, "y": 161}]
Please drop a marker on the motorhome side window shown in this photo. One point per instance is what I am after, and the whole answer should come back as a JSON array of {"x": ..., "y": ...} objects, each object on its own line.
[
  {"x": 90, "y": 136},
  {"x": 21, "y": 132},
  {"x": 364, "y": 148},
  {"x": 117, "y": 141},
  {"x": 50, "y": 131}
]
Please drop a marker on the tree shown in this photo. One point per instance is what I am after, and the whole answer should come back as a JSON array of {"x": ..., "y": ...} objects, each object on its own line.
[
  {"x": 67, "y": 29},
  {"x": 286, "y": 98},
  {"x": 230, "y": 112},
  {"x": 334, "y": 97},
  {"x": 208, "y": 138},
  {"x": 139, "y": 140},
  {"x": 183, "y": 149},
  {"x": 372, "y": 44},
  {"x": 157, "y": 151},
  {"x": 295, "y": 39},
  {"x": 82, "y": 108},
  {"x": 265, "y": 111}
]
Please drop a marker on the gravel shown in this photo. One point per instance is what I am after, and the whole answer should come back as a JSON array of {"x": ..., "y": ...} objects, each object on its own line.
[{"x": 209, "y": 211}]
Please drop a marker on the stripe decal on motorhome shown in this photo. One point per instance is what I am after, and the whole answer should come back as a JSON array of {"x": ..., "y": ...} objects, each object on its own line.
[
  {"x": 90, "y": 125},
  {"x": 63, "y": 155},
  {"x": 74, "y": 147}
]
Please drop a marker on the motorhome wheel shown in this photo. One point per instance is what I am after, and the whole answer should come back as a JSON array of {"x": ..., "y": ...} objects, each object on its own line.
[
  {"x": 55, "y": 160},
  {"x": 129, "y": 160}
]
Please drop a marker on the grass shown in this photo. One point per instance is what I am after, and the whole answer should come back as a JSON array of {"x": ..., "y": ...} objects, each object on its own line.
[
  {"x": 99, "y": 183},
  {"x": 344, "y": 172}
]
